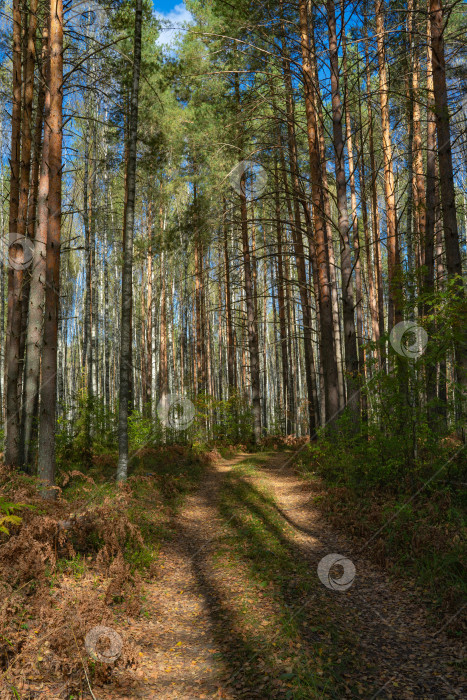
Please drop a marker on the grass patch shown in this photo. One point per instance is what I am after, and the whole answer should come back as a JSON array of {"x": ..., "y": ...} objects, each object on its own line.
[
  {"x": 291, "y": 639},
  {"x": 415, "y": 512}
]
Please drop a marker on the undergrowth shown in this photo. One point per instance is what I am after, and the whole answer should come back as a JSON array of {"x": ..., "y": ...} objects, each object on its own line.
[
  {"x": 79, "y": 562},
  {"x": 410, "y": 510}
]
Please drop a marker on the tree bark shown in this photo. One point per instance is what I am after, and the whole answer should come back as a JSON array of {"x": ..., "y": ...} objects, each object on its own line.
[
  {"x": 251, "y": 312},
  {"x": 163, "y": 363},
  {"x": 26, "y": 182},
  {"x": 332, "y": 268},
  {"x": 231, "y": 366},
  {"x": 127, "y": 272},
  {"x": 199, "y": 293},
  {"x": 351, "y": 355},
  {"x": 15, "y": 276},
  {"x": 252, "y": 321},
  {"x": 428, "y": 240},
  {"x": 296, "y": 229},
  {"x": 87, "y": 343},
  {"x": 418, "y": 185},
  {"x": 148, "y": 334},
  {"x": 374, "y": 205},
  {"x": 46, "y": 462},
  {"x": 446, "y": 172},
  {"x": 447, "y": 191},
  {"x": 37, "y": 290},
  {"x": 394, "y": 272},
  {"x": 326, "y": 322},
  {"x": 286, "y": 389},
  {"x": 354, "y": 226}
]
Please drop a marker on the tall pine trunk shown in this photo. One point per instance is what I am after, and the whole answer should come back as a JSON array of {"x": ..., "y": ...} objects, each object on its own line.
[
  {"x": 25, "y": 177},
  {"x": 37, "y": 290},
  {"x": 372, "y": 302},
  {"x": 430, "y": 233},
  {"x": 252, "y": 321},
  {"x": 250, "y": 296},
  {"x": 127, "y": 272},
  {"x": 46, "y": 462},
  {"x": 15, "y": 276},
  {"x": 374, "y": 202},
  {"x": 199, "y": 306},
  {"x": 327, "y": 353},
  {"x": 231, "y": 365},
  {"x": 447, "y": 191},
  {"x": 332, "y": 267},
  {"x": 287, "y": 402},
  {"x": 418, "y": 185},
  {"x": 394, "y": 272},
  {"x": 354, "y": 225},
  {"x": 148, "y": 334},
  {"x": 350, "y": 337},
  {"x": 297, "y": 238}
]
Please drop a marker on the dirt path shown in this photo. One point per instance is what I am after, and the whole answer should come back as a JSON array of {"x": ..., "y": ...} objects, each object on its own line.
[
  {"x": 403, "y": 655},
  {"x": 178, "y": 648},
  {"x": 239, "y": 610}
]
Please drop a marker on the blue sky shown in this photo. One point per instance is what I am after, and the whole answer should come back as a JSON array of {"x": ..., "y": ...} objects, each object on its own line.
[
  {"x": 175, "y": 13},
  {"x": 164, "y": 5}
]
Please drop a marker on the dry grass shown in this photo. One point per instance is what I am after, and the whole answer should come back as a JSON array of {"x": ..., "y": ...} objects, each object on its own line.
[{"x": 80, "y": 562}]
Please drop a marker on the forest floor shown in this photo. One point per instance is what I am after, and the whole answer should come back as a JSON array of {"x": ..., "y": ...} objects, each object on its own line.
[{"x": 237, "y": 609}]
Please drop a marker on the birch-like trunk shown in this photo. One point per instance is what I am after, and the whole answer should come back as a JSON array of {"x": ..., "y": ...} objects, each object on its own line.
[
  {"x": 37, "y": 290},
  {"x": 127, "y": 272}
]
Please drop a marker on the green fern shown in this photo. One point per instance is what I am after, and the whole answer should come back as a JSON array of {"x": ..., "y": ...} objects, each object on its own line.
[{"x": 6, "y": 514}]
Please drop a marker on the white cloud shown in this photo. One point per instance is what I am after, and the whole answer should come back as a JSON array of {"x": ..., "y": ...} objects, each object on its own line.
[{"x": 174, "y": 21}]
